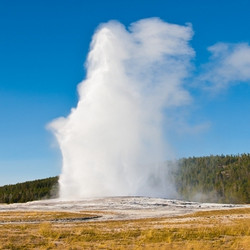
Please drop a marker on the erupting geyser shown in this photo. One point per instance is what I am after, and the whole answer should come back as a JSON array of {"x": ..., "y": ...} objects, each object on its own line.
[{"x": 111, "y": 142}]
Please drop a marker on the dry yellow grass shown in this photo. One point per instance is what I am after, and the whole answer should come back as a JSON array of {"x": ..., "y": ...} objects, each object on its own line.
[{"x": 223, "y": 229}]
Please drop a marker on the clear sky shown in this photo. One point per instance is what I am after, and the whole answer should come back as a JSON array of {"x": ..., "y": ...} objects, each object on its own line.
[{"x": 43, "y": 47}]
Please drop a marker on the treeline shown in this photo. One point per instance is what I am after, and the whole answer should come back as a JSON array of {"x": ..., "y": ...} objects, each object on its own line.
[
  {"x": 29, "y": 191},
  {"x": 224, "y": 179}
]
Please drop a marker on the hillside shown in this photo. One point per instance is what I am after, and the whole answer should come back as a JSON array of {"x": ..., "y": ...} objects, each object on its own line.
[
  {"x": 224, "y": 179},
  {"x": 29, "y": 191}
]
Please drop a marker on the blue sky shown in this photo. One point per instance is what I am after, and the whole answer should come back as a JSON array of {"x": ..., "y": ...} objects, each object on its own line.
[{"x": 43, "y": 47}]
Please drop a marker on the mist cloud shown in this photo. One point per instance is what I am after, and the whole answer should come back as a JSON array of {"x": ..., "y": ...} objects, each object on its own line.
[{"x": 111, "y": 143}]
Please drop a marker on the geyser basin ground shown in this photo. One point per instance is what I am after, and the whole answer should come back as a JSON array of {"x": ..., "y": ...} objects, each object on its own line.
[
  {"x": 124, "y": 223},
  {"x": 121, "y": 208}
]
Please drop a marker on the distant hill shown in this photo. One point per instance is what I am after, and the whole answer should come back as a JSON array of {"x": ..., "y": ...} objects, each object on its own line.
[
  {"x": 29, "y": 191},
  {"x": 224, "y": 179}
]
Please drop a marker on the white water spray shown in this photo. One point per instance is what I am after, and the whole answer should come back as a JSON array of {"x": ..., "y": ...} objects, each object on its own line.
[{"x": 111, "y": 142}]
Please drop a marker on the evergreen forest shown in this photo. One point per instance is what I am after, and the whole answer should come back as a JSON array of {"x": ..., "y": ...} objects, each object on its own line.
[
  {"x": 223, "y": 179},
  {"x": 29, "y": 191}
]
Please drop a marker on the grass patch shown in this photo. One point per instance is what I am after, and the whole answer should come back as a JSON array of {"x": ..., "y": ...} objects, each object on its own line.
[{"x": 218, "y": 229}]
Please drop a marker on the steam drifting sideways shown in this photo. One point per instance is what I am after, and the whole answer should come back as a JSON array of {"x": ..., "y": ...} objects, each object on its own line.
[{"x": 111, "y": 143}]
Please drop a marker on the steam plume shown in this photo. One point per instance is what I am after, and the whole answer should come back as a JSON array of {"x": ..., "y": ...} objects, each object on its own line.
[{"x": 111, "y": 142}]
